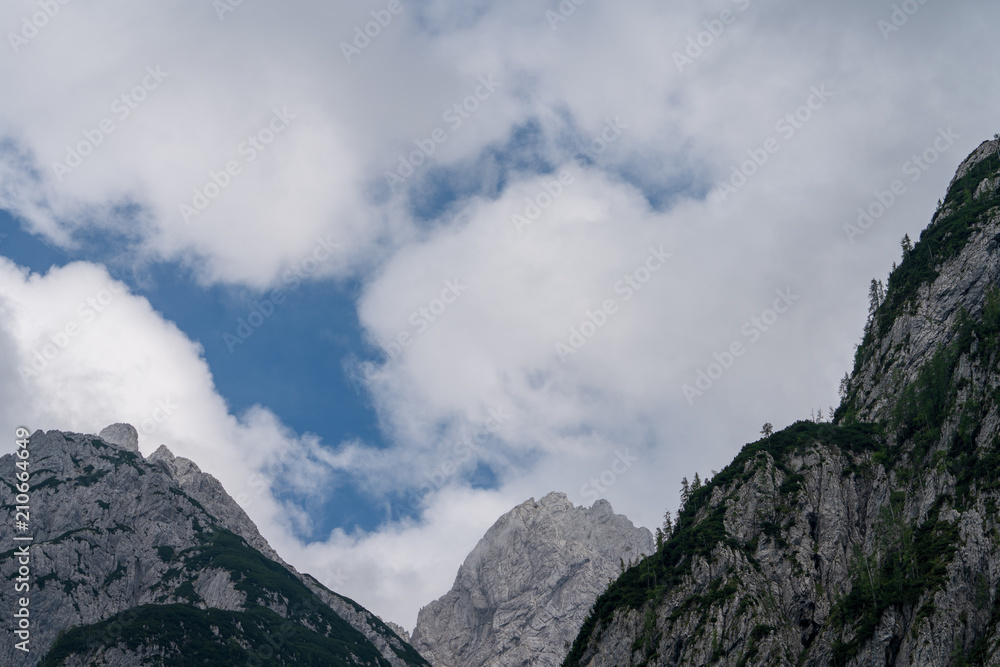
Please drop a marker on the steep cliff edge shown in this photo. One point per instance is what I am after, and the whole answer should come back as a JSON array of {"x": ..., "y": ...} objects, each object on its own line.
[
  {"x": 522, "y": 594},
  {"x": 137, "y": 561},
  {"x": 874, "y": 540}
]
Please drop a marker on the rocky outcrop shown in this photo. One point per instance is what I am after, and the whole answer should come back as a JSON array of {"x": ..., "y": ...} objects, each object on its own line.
[
  {"x": 522, "y": 594},
  {"x": 874, "y": 540},
  {"x": 123, "y": 435},
  {"x": 149, "y": 561}
]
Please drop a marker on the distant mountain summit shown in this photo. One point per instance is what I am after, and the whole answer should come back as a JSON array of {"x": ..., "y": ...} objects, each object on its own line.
[
  {"x": 873, "y": 540},
  {"x": 522, "y": 594},
  {"x": 137, "y": 561}
]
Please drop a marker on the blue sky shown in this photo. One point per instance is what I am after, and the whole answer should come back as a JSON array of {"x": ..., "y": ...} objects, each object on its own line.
[
  {"x": 293, "y": 363},
  {"x": 376, "y": 467}
]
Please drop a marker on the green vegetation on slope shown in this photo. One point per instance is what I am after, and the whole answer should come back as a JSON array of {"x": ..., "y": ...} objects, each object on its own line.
[
  {"x": 179, "y": 635},
  {"x": 692, "y": 536},
  {"x": 182, "y": 634},
  {"x": 943, "y": 239},
  {"x": 914, "y": 562}
]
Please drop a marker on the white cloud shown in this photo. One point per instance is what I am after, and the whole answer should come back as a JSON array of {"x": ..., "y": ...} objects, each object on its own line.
[{"x": 493, "y": 348}]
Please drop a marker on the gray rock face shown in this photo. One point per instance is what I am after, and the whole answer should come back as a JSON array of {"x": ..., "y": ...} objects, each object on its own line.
[
  {"x": 116, "y": 537},
  {"x": 522, "y": 594},
  {"x": 853, "y": 545},
  {"x": 123, "y": 435}
]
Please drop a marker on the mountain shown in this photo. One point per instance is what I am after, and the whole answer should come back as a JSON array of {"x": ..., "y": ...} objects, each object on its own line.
[
  {"x": 148, "y": 561},
  {"x": 522, "y": 594},
  {"x": 872, "y": 540}
]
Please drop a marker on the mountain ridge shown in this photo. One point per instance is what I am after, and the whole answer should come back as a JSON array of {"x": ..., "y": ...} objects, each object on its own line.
[
  {"x": 522, "y": 593},
  {"x": 149, "y": 561},
  {"x": 873, "y": 540}
]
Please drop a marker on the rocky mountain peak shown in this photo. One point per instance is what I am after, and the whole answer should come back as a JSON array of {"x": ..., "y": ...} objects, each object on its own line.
[
  {"x": 149, "y": 561},
  {"x": 944, "y": 280},
  {"x": 984, "y": 151},
  {"x": 873, "y": 540},
  {"x": 123, "y": 435},
  {"x": 523, "y": 592}
]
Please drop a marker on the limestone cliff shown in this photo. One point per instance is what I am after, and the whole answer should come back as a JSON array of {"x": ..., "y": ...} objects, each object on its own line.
[
  {"x": 522, "y": 594},
  {"x": 871, "y": 541},
  {"x": 149, "y": 562}
]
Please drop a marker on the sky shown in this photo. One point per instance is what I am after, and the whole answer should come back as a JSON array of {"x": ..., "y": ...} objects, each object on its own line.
[{"x": 388, "y": 269}]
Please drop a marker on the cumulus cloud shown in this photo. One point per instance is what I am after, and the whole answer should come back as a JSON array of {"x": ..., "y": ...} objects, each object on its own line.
[{"x": 737, "y": 137}]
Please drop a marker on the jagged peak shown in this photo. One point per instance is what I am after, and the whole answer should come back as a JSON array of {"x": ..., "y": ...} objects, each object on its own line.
[
  {"x": 559, "y": 500},
  {"x": 162, "y": 453},
  {"x": 121, "y": 434},
  {"x": 985, "y": 149}
]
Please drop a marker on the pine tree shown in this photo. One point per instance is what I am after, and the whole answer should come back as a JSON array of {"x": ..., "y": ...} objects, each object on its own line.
[
  {"x": 876, "y": 295},
  {"x": 696, "y": 484},
  {"x": 906, "y": 245},
  {"x": 845, "y": 384},
  {"x": 767, "y": 430},
  {"x": 685, "y": 492}
]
